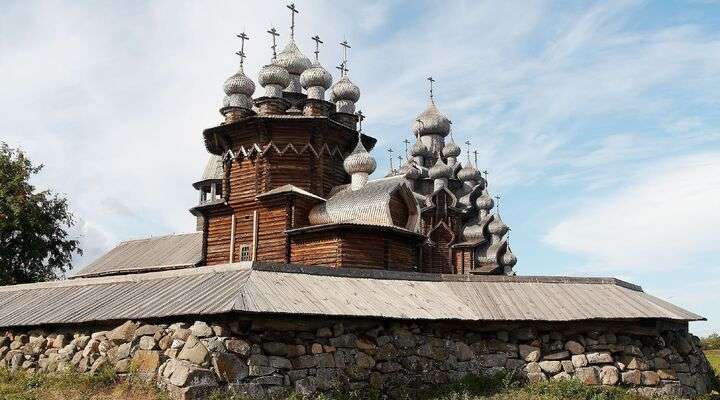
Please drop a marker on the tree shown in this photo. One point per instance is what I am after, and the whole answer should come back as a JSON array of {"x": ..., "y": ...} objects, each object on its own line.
[
  {"x": 712, "y": 342},
  {"x": 34, "y": 242}
]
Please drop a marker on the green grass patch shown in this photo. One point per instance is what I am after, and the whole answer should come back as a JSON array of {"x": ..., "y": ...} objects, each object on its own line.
[{"x": 103, "y": 385}]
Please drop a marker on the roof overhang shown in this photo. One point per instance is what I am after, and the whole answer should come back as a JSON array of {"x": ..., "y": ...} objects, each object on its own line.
[
  {"x": 357, "y": 227},
  {"x": 300, "y": 290}
]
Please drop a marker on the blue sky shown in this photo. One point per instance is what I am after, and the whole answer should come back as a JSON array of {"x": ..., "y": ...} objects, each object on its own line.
[{"x": 599, "y": 122}]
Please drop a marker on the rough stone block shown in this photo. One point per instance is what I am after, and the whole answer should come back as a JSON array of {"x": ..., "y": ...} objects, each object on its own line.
[{"x": 229, "y": 367}]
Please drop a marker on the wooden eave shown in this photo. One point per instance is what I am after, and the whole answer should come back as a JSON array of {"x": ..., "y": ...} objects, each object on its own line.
[
  {"x": 217, "y": 137},
  {"x": 201, "y": 209},
  {"x": 356, "y": 228}
]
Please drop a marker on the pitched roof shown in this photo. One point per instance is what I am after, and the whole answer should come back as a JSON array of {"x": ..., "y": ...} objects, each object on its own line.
[
  {"x": 213, "y": 171},
  {"x": 369, "y": 205},
  {"x": 150, "y": 254},
  {"x": 288, "y": 189},
  {"x": 345, "y": 292}
]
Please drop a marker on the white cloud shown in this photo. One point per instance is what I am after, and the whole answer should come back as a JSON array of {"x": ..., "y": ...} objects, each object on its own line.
[{"x": 667, "y": 217}]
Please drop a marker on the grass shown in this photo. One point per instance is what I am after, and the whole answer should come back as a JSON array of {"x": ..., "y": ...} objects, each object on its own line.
[
  {"x": 714, "y": 357},
  {"x": 105, "y": 385}
]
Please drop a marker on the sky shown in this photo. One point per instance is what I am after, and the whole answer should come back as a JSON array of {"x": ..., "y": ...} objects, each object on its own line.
[{"x": 598, "y": 122}]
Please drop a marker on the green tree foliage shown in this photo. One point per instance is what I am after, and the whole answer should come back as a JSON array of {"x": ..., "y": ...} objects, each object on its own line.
[
  {"x": 34, "y": 242},
  {"x": 711, "y": 342}
]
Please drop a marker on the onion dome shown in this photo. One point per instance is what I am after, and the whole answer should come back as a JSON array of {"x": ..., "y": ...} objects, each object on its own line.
[
  {"x": 413, "y": 173},
  {"x": 497, "y": 226},
  {"x": 484, "y": 202},
  {"x": 345, "y": 94},
  {"x": 472, "y": 232},
  {"x": 274, "y": 79},
  {"x": 451, "y": 149},
  {"x": 316, "y": 80},
  {"x": 295, "y": 62},
  {"x": 431, "y": 122},
  {"x": 509, "y": 259},
  {"x": 359, "y": 161},
  {"x": 419, "y": 149},
  {"x": 469, "y": 173},
  {"x": 440, "y": 170},
  {"x": 238, "y": 91}
]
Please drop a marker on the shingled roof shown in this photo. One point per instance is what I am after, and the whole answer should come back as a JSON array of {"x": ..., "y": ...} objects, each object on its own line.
[
  {"x": 347, "y": 292},
  {"x": 150, "y": 254}
]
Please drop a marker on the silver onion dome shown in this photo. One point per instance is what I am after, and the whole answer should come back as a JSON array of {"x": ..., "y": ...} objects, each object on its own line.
[
  {"x": 274, "y": 79},
  {"x": 469, "y": 173},
  {"x": 239, "y": 83},
  {"x": 238, "y": 91},
  {"x": 316, "y": 80},
  {"x": 345, "y": 94},
  {"x": 359, "y": 161},
  {"x": 295, "y": 62},
  {"x": 431, "y": 122},
  {"x": 419, "y": 149},
  {"x": 484, "y": 202},
  {"x": 451, "y": 149},
  {"x": 509, "y": 259},
  {"x": 440, "y": 170},
  {"x": 497, "y": 226}
]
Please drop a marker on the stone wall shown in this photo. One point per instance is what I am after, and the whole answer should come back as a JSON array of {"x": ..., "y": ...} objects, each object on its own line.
[{"x": 268, "y": 358}]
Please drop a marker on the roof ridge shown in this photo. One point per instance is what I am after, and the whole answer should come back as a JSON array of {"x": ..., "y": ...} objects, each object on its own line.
[
  {"x": 424, "y": 276},
  {"x": 159, "y": 237}
]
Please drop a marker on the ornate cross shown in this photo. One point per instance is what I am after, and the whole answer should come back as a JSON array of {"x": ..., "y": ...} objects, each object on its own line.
[
  {"x": 345, "y": 47},
  {"x": 400, "y": 158},
  {"x": 390, "y": 151},
  {"x": 476, "y": 153},
  {"x": 497, "y": 202},
  {"x": 243, "y": 37},
  {"x": 293, "y": 11},
  {"x": 407, "y": 142},
  {"x": 361, "y": 117},
  {"x": 274, "y": 33},
  {"x": 317, "y": 40},
  {"x": 467, "y": 142},
  {"x": 430, "y": 78}
]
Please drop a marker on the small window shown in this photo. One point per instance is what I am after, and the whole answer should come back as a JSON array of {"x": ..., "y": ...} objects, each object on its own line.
[{"x": 245, "y": 253}]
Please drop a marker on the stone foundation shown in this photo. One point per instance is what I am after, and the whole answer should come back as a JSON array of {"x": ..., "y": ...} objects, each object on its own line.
[{"x": 268, "y": 358}]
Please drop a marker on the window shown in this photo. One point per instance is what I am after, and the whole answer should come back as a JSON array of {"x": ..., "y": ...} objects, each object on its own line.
[{"x": 245, "y": 253}]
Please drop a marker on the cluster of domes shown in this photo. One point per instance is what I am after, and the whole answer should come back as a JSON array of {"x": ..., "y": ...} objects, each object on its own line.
[
  {"x": 295, "y": 62},
  {"x": 291, "y": 71}
]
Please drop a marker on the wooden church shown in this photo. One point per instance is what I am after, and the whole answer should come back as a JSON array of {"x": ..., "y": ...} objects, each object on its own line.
[{"x": 288, "y": 181}]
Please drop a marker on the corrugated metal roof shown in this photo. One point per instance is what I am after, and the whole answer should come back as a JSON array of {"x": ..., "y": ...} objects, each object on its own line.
[
  {"x": 289, "y": 289},
  {"x": 150, "y": 254}
]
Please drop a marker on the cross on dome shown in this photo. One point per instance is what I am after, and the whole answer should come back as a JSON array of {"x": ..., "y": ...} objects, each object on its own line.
[
  {"x": 317, "y": 40},
  {"x": 274, "y": 34},
  {"x": 293, "y": 11},
  {"x": 243, "y": 37},
  {"x": 431, "y": 80}
]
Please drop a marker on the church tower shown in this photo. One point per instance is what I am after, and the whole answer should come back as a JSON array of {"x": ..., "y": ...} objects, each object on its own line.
[{"x": 280, "y": 153}]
